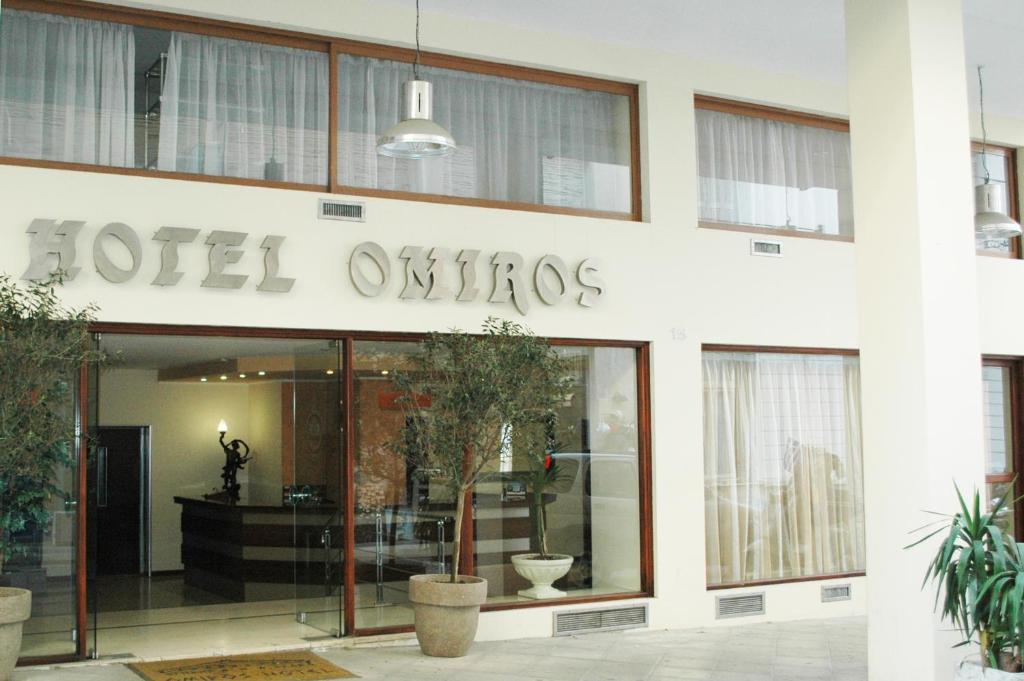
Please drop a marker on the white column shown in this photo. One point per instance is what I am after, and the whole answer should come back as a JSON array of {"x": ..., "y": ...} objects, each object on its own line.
[{"x": 918, "y": 309}]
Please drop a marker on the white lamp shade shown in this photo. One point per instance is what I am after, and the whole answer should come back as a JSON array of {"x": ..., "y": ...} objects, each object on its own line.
[
  {"x": 416, "y": 135},
  {"x": 222, "y": 427},
  {"x": 990, "y": 218}
]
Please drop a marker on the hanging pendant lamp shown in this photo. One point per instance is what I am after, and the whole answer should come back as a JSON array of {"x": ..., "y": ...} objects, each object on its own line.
[
  {"x": 990, "y": 218},
  {"x": 416, "y": 135}
]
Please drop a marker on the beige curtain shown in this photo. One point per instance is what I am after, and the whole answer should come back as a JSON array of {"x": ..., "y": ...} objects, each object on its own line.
[{"x": 783, "y": 469}]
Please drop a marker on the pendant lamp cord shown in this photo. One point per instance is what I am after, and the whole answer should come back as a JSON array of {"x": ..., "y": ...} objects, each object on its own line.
[
  {"x": 416, "y": 62},
  {"x": 984, "y": 133}
]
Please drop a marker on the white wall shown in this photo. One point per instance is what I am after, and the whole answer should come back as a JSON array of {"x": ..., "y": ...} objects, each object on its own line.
[{"x": 669, "y": 282}]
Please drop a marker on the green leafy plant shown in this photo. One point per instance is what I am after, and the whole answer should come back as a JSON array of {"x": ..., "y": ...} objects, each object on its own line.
[
  {"x": 469, "y": 398},
  {"x": 42, "y": 347},
  {"x": 979, "y": 576}
]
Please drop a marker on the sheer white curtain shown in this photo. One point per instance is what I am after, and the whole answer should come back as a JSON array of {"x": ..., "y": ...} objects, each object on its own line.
[
  {"x": 66, "y": 89},
  {"x": 517, "y": 140},
  {"x": 762, "y": 172},
  {"x": 782, "y": 465},
  {"x": 244, "y": 109}
]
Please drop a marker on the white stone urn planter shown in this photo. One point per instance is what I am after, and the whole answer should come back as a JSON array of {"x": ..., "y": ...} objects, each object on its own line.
[
  {"x": 973, "y": 671},
  {"x": 542, "y": 573},
  {"x": 15, "y": 608},
  {"x": 446, "y": 614}
]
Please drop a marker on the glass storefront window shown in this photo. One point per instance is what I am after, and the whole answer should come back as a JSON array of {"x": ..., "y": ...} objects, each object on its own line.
[
  {"x": 592, "y": 510},
  {"x": 997, "y": 381},
  {"x": 782, "y": 464}
]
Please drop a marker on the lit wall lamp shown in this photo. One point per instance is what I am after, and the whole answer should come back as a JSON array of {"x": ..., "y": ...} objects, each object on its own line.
[
  {"x": 990, "y": 217},
  {"x": 234, "y": 461},
  {"x": 416, "y": 136}
]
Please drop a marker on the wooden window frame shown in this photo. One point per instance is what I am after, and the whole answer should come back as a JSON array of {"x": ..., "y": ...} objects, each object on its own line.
[
  {"x": 1009, "y": 155},
  {"x": 86, "y": 9},
  {"x": 708, "y": 103},
  {"x": 1015, "y": 365},
  {"x": 787, "y": 350},
  {"x": 346, "y": 340}
]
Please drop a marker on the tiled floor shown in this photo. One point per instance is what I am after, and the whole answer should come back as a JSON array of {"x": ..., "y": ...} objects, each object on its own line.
[{"x": 819, "y": 650}]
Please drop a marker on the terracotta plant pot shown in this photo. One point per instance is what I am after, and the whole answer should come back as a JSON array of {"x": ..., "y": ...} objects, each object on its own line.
[
  {"x": 15, "y": 608},
  {"x": 446, "y": 613},
  {"x": 542, "y": 573}
]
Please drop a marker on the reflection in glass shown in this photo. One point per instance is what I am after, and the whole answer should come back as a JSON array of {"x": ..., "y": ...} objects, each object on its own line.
[{"x": 783, "y": 472}]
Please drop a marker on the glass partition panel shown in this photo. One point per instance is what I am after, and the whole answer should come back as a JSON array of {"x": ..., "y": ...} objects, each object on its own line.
[
  {"x": 517, "y": 140},
  {"x": 44, "y": 562},
  {"x": 403, "y": 515},
  {"x": 591, "y": 512}
]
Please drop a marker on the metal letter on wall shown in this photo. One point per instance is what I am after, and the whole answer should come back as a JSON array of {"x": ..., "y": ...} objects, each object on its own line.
[
  {"x": 52, "y": 238},
  {"x": 171, "y": 236},
  {"x": 417, "y": 273},
  {"x": 546, "y": 293},
  {"x": 271, "y": 264},
  {"x": 438, "y": 288},
  {"x": 222, "y": 255},
  {"x": 364, "y": 284},
  {"x": 104, "y": 265},
  {"x": 587, "y": 275},
  {"x": 468, "y": 257},
  {"x": 508, "y": 281}
]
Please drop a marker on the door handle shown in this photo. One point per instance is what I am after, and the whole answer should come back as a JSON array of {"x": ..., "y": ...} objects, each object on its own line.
[{"x": 101, "y": 477}]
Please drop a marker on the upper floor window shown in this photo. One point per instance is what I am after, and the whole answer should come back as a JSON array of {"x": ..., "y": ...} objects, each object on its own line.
[
  {"x": 767, "y": 169},
  {"x": 519, "y": 141},
  {"x": 1002, "y": 171},
  {"x": 119, "y": 88}
]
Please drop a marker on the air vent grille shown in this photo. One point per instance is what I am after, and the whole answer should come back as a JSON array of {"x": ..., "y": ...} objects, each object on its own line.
[
  {"x": 739, "y": 606},
  {"x": 835, "y": 592},
  {"x": 607, "y": 619},
  {"x": 330, "y": 209},
  {"x": 772, "y": 249}
]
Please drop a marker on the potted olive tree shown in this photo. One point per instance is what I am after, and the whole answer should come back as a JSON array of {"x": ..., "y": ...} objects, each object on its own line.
[
  {"x": 42, "y": 347},
  {"x": 536, "y": 442},
  {"x": 979, "y": 574},
  {"x": 464, "y": 397}
]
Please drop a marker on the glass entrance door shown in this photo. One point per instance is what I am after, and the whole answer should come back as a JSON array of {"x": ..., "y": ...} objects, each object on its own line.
[{"x": 312, "y": 473}]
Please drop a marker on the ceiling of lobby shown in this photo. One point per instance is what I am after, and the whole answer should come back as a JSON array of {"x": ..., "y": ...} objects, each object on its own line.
[{"x": 800, "y": 37}]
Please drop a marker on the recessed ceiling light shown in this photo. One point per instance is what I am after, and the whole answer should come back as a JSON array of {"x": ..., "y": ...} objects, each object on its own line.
[
  {"x": 203, "y": 379},
  {"x": 241, "y": 375},
  {"x": 384, "y": 372},
  {"x": 223, "y": 378},
  {"x": 330, "y": 372},
  {"x": 261, "y": 373}
]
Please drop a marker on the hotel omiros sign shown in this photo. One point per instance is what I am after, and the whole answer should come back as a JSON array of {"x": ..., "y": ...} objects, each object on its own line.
[{"x": 430, "y": 274}]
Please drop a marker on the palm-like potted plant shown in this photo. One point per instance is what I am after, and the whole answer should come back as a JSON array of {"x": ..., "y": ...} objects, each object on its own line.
[
  {"x": 537, "y": 441},
  {"x": 464, "y": 397},
  {"x": 42, "y": 347},
  {"x": 979, "y": 576}
]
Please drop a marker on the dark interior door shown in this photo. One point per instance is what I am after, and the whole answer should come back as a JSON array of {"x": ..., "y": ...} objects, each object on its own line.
[{"x": 119, "y": 498}]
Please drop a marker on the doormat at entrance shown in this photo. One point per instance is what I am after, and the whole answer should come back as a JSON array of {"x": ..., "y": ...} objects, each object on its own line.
[{"x": 296, "y": 665}]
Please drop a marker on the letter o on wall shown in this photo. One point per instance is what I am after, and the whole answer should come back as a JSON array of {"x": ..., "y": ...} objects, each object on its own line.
[
  {"x": 550, "y": 295},
  {"x": 367, "y": 285},
  {"x": 104, "y": 265}
]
